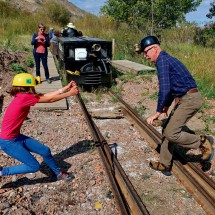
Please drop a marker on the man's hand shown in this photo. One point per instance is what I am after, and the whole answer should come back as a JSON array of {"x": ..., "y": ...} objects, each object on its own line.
[{"x": 151, "y": 118}]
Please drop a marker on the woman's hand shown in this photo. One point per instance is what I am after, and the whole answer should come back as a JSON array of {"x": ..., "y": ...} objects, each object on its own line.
[
  {"x": 70, "y": 85},
  {"x": 40, "y": 38},
  {"x": 74, "y": 90},
  {"x": 60, "y": 94}
]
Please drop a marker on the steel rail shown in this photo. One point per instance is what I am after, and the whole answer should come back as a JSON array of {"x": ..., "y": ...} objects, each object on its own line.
[
  {"x": 200, "y": 185},
  {"x": 126, "y": 196}
]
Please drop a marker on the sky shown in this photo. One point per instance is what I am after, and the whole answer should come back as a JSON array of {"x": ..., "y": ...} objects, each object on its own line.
[{"x": 199, "y": 16}]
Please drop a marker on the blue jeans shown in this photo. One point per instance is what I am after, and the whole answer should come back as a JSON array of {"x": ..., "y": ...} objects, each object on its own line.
[
  {"x": 43, "y": 58},
  {"x": 20, "y": 148}
]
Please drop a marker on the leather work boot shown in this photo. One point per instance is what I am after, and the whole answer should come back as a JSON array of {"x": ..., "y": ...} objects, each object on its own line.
[
  {"x": 166, "y": 170},
  {"x": 206, "y": 148}
]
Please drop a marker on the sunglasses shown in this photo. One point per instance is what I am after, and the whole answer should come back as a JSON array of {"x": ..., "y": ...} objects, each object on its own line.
[
  {"x": 145, "y": 52},
  {"x": 42, "y": 29}
]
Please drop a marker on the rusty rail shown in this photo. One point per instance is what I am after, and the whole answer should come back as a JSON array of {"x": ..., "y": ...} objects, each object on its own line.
[
  {"x": 200, "y": 185},
  {"x": 126, "y": 196}
]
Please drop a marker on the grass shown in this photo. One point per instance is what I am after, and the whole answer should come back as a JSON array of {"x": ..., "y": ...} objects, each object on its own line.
[
  {"x": 182, "y": 192},
  {"x": 17, "y": 68},
  {"x": 208, "y": 121},
  {"x": 84, "y": 96},
  {"x": 29, "y": 61},
  {"x": 118, "y": 88},
  {"x": 99, "y": 92},
  {"x": 127, "y": 76},
  {"x": 154, "y": 96},
  {"x": 205, "y": 105},
  {"x": 199, "y": 62},
  {"x": 17, "y": 28},
  {"x": 141, "y": 110},
  {"x": 177, "y": 42}
]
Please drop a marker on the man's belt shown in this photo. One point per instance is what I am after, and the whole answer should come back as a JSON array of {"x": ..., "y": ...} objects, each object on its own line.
[{"x": 193, "y": 90}]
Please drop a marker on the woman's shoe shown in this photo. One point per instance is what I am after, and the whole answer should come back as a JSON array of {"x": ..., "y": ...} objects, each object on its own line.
[{"x": 48, "y": 81}]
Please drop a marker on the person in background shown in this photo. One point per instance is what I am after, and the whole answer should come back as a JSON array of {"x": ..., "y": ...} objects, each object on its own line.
[
  {"x": 175, "y": 84},
  {"x": 51, "y": 33},
  {"x": 80, "y": 34},
  {"x": 20, "y": 146},
  {"x": 41, "y": 42},
  {"x": 54, "y": 43},
  {"x": 70, "y": 31},
  {"x": 62, "y": 32}
]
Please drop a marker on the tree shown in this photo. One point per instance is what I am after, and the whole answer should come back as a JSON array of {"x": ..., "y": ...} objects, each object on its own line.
[
  {"x": 211, "y": 10},
  {"x": 158, "y": 13}
]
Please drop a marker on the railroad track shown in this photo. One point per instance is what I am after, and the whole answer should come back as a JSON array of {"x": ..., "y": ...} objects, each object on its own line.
[
  {"x": 199, "y": 184},
  {"x": 126, "y": 197}
]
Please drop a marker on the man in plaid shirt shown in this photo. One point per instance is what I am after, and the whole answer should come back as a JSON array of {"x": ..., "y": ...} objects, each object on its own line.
[{"x": 175, "y": 84}]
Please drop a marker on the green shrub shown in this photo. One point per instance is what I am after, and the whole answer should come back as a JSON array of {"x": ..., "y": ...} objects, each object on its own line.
[
  {"x": 141, "y": 110},
  {"x": 154, "y": 96},
  {"x": 182, "y": 42},
  {"x": 205, "y": 36},
  {"x": 16, "y": 67},
  {"x": 29, "y": 61}
]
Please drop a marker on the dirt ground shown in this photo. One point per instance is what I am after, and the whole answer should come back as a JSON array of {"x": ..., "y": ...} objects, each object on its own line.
[{"x": 67, "y": 134}]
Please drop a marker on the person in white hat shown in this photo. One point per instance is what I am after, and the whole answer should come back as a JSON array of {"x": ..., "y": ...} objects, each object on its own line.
[
  {"x": 70, "y": 25},
  {"x": 70, "y": 31}
]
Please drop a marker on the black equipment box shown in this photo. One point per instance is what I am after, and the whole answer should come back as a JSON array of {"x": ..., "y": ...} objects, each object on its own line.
[{"x": 86, "y": 60}]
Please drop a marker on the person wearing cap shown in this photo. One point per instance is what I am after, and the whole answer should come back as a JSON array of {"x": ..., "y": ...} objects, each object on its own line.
[
  {"x": 70, "y": 31},
  {"x": 41, "y": 42},
  {"x": 175, "y": 84},
  {"x": 18, "y": 145}
]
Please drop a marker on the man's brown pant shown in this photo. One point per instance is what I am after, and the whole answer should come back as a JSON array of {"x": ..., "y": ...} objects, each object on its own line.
[{"x": 188, "y": 105}]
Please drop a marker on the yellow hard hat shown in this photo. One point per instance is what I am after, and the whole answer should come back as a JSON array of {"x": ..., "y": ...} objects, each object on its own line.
[{"x": 24, "y": 80}]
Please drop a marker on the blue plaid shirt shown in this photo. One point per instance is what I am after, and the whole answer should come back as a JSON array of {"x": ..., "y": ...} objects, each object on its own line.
[{"x": 174, "y": 80}]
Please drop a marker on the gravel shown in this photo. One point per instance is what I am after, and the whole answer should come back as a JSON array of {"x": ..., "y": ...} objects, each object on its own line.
[{"x": 68, "y": 136}]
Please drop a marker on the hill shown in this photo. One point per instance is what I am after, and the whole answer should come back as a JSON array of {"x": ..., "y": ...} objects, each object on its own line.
[{"x": 32, "y": 6}]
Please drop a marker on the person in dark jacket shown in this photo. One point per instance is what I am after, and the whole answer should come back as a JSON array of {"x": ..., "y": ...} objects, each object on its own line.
[
  {"x": 41, "y": 42},
  {"x": 70, "y": 31},
  {"x": 175, "y": 84}
]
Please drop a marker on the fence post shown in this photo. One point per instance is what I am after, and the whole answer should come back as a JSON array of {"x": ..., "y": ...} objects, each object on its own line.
[{"x": 113, "y": 48}]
